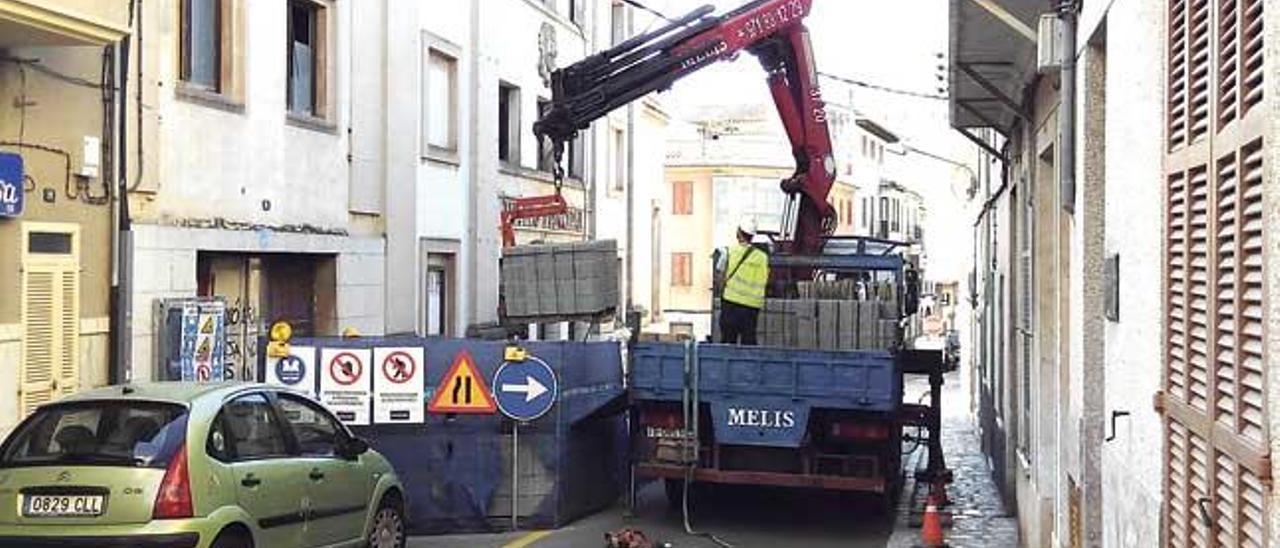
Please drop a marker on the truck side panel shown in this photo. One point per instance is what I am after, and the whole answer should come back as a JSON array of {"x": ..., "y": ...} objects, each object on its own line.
[{"x": 847, "y": 380}]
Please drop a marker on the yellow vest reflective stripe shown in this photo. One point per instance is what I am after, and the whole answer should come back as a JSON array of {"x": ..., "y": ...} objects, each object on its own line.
[{"x": 749, "y": 274}]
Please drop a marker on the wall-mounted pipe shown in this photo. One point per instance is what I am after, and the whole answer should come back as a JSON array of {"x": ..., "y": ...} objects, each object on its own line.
[{"x": 1067, "y": 109}]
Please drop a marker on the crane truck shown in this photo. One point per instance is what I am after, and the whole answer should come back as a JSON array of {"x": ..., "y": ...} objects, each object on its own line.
[{"x": 794, "y": 412}]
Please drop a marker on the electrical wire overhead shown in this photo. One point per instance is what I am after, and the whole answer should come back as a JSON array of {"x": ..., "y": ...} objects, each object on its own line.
[{"x": 886, "y": 89}]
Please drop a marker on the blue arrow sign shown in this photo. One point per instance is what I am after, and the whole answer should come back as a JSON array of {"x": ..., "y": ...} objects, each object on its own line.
[
  {"x": 11, "y": 185},
  {"x": 525, "y": 390}
]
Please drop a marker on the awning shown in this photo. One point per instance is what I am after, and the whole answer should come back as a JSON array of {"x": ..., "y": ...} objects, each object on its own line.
[
  {"x": 25, "y": 23},
  {"x": 993, "y": 59}
]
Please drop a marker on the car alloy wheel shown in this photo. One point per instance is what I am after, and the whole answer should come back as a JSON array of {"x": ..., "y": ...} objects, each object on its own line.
[{"x": 388, "y": 528}]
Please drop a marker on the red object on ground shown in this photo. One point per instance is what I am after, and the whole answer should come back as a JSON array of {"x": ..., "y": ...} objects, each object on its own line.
[{"x": 931, "y": 526}]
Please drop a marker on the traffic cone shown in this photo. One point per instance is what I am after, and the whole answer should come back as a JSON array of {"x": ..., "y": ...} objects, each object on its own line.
[{"x": 931, "y": 526}]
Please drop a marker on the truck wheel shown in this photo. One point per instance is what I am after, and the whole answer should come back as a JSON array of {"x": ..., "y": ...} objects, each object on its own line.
[{"x": 675, "y": 494}]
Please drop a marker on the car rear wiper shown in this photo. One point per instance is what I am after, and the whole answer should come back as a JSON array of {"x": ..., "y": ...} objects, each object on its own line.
[{"x": 101, "y": 459}]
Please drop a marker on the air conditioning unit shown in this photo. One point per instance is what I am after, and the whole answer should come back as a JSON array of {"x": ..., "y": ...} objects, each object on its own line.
[{"x": 1049, "y": 44}]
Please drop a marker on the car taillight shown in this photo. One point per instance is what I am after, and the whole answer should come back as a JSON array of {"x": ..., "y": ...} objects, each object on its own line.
[
  {"x": 173, "y": 500},
  {"x": 856, "y": 431}
]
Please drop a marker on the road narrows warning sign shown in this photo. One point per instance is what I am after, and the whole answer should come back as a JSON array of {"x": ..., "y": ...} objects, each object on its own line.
[
  {"x": 344, "y": 383},
  {"x": 398, "y": 386},
  {"x": 463, "y": 390}
]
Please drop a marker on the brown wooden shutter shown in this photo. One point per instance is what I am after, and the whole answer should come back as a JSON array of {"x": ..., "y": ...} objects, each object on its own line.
[
  {"x": 1177, "y": 93},
  {"x": 1228, "y": 62},
  {"x": 1216, "y": 458},
  {"x": 1198, "y": 70}
]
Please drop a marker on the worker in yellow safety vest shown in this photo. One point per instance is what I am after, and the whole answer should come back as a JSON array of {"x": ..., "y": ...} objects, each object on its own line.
[{"x": 746, "y": 272}]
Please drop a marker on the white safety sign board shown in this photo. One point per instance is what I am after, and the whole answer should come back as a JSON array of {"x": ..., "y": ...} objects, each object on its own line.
[
  {"x": 296, "y": 371},
  {"x": 344, "y": 383},
  {"x": 398, "y": 385}
]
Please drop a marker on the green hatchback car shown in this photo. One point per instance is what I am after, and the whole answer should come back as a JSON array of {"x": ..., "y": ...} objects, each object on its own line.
[{"x": 194, "y": 465}]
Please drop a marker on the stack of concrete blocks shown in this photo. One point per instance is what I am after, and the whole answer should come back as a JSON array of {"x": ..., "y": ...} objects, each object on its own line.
[
  {"x": 827, "y": 316},
  {"x": 847, "y": 325},
  {"x": 828, "y": 324},
  {"x": 776, "y": 325},
  {"x": 806, "y": 322},
  {"x": 559, "y": 281}
]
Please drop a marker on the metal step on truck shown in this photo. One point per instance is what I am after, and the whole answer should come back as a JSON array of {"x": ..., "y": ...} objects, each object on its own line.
[{"x": 818, "y": 404}]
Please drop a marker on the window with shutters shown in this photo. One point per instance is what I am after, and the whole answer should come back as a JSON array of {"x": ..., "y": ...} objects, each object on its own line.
[
  {"x": 1214, "y": 386},
  {"x": 682, "y": 198},
  {"x": 50, "y": 311},
  {"x": 681, "y": 269}
]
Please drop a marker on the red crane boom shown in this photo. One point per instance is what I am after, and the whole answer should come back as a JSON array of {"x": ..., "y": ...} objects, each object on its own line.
[{"x": 769, "y": 29}]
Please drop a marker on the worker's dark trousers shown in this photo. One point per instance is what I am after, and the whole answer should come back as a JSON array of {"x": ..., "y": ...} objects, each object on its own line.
[{"x": 738, "y": 323}]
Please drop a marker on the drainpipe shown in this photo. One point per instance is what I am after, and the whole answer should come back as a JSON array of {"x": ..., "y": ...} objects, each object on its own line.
[
  {"x": 631, "y": 194},
  {"x": 1067, "y": 110},
  {"x": 631, "y": 198},
  {"x": 120, "y": 337},
  {"x": 470, "y": 246}
]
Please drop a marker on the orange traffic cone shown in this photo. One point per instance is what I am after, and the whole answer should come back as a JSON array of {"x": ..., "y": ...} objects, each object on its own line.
[{"x": 931, "y": 526}]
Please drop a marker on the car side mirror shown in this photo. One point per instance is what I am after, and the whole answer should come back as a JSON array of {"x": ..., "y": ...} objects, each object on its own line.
[{"x": 352, "y": 447}]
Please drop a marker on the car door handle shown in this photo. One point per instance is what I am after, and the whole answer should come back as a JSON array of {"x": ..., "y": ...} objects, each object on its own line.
[
  {"x": 316, "y": 474},
  {"x": 250, "y": 481}
]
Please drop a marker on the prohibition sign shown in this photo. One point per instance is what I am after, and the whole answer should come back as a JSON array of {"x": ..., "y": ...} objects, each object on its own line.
[
  {"x": 203, "y": 372},
  {"x": 345, "y": 371},
  {"x": 398, "y": 367}
]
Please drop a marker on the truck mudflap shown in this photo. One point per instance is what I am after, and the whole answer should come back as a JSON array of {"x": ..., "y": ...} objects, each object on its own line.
[{"x": 760, "y": 421}]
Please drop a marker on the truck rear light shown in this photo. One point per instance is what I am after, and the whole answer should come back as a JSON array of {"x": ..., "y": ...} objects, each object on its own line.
[
  {"x": 669, "y": 419},
  {"x": 859, "y": 431},
  {"x": 173, "y": 499}
]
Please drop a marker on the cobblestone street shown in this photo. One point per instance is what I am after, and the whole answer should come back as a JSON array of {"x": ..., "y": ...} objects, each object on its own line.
[{"x": 979, "y": 517}]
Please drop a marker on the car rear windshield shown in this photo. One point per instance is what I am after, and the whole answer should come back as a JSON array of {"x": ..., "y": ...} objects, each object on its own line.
[{"x": 105, "y": 433}]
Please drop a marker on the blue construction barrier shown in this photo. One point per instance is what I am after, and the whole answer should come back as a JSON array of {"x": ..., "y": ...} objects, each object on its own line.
[{"x": 457, "y": 467}]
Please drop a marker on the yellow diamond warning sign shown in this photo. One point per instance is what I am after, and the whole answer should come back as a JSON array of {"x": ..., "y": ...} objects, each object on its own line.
[{"x": 462, "y": 390}]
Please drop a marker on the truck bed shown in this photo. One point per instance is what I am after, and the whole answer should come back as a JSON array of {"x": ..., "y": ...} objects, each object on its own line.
[{"x": 858, "y": 380}]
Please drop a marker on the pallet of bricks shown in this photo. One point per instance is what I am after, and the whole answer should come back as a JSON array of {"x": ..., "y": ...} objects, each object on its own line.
[
  {"x": 553, "y": 282},
  {"x": 832, "y": 315}
]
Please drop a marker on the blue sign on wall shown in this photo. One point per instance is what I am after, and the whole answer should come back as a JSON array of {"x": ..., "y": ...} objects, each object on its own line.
[
  {"x": 11, "y": 182},
  {"x": 525, "y": 390}
]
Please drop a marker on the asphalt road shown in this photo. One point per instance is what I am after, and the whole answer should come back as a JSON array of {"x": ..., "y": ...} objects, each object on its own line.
[
  {"x": 740, "y": 515},
  {"x": 744, "y": 516}
]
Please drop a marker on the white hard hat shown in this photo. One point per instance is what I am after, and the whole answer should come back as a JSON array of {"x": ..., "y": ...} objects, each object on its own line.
[{"x": 747, "y": 225}]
